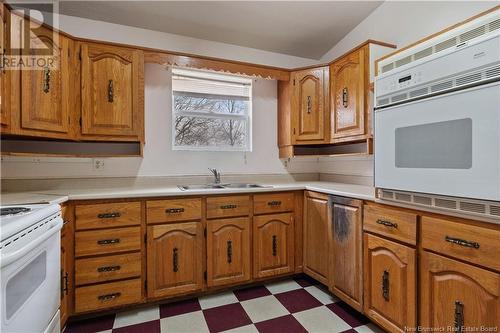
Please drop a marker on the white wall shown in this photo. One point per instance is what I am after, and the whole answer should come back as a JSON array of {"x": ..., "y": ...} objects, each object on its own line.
[
  {"x": 159, "y": 158},
  {"x": 405, "y": 22}
]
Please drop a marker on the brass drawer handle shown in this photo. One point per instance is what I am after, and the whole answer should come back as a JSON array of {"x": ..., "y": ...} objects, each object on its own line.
[
  {"x": 109, "y": 297},
  {"x": 108, "y": 268},
  {"x": 462, "y": 242},
  {"x": 388, "y": 223},
  {"x": 174, "y": 210},
  {"x": 275, "y": 246},
  {"x": 459, "y": 316},
  {"x": 108, "y": 215},
  {"x": 108, "y": 241},
  {"x": 232, "y": 206},
  {"x": 274, "y": 203},
  {"x": 385, "y": 285}
]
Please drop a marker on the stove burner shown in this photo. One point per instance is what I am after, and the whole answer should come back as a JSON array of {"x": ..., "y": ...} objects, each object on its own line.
[{"x": 13, "y": 210}]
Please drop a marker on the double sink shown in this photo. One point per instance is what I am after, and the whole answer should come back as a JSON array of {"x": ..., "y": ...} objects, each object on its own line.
[{"x": 219, "y": 186}]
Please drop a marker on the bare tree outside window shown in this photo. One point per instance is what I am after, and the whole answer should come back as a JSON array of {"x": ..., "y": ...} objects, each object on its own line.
[{"x": 210, "y": 121}]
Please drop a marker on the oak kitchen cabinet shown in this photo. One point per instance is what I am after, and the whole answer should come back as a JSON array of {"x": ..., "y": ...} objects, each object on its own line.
[
  {"x": 346, "y": 248},
  {"x": 4, "y": 74},
  {"x": 112, "y": 92},
  {"x": 317, "y": 236},
  {"x": 67, "y": 262},
  {"x": 310, "y": 116},
  {"x": 228, "y": 251}
]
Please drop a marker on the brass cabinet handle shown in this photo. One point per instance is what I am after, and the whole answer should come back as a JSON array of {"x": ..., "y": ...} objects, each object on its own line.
[
  {"x": 309, "y": 104},
  {"x": 108, "y": 241},
  {"x": 462, "y": 242},
  {"x": 46, "y": 79},
  {"x": 231, "y": 206},
  {"x": 345, "y": 97},
  {"x": 108, "y": 297},
  {"x": 229, "y": 251},
  {"x": 111, "y": 91},
  {"x": 385, "y": 285},
  {"x": 174, "y": 210},
  {"x": 109, "y": 268},
  {"x": 459, "y": 316},
  {"x": 175, "y": 259},
  {"x": 274, "y": 203},
  {"x": 275, "y": 245},
  {"x": 108, "y": 215},
  {"x": 387, "y": 223}
]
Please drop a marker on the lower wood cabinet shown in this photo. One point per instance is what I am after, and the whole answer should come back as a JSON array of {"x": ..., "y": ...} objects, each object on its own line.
[
  {"x": 273, "y": 245},
  {"x": 108, "y": 295},
  {"x": 175, "y": 259},
  {"x": 346, "y": 274},
  {"x": 317, "y": 236},
  {"x": 67, "y": 262},
  {"x": 454, "y": 294},
  {"x": 228, "y": 251},
  {"x": 390, "y": 284}
]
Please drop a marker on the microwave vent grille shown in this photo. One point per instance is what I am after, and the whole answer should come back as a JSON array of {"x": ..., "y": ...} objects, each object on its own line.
[
  {"x": 474, "y": 33},
  {"x": 463, "y": 37},
  {"x": 467, "y": 79},
  {"x": 493, "y": 72},
  {"x": 442, "y": 86},
  {"x": 494, "y": 25},
  {"x": 481, "y": 208},
  {"x": 419, "y": 92}
]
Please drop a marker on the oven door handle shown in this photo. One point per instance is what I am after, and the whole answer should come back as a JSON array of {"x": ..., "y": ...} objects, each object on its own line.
[{"x": 11, "y": 257}]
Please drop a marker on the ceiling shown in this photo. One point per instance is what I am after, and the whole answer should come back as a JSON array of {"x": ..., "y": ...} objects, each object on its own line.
[{"x": 300, "y": 28}]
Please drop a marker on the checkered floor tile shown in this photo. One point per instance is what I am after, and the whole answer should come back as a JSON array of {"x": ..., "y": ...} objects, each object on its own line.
[{"x": 290, "y": 306}]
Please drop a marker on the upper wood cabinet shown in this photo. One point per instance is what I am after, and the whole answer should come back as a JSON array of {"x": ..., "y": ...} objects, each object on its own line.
[
  {"x": 273, "y": 245},
  {"x": 4, "y": 75},
  {"x": 346, "y": 275},
  {"x": 456, "y": 295},
  {"x": 112, "y": 91},
  {"x": 174, "y": 258},
  {"x": 310, "y": 115},
  {"x": 348, "y": 94},
  {"x": 228, "y": 251},
  {"x": 317, "y": 236},
  {"x": 390, "y": 284}
]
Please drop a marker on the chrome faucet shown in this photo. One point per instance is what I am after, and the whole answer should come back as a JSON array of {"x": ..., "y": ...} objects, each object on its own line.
[{"x": 216, "y": 175}]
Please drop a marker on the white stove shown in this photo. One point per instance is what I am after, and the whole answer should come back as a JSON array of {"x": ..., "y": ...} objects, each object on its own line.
[{"x": 30, "y": 268}]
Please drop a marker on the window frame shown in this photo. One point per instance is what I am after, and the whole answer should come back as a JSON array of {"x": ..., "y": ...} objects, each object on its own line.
[{"x": 246, "y": 118}]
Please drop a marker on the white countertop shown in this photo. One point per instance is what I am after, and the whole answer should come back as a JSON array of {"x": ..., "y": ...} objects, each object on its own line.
[{"x": 142, "y": 191}]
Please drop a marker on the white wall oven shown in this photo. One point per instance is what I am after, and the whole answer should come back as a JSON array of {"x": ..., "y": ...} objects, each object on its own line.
[{"x": 437, "y": 119}]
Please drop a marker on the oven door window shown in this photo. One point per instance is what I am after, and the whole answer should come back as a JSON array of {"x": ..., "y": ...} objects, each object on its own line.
[
  {"x": 441, "y": 145},
  {"x": 24, "y": 283}
]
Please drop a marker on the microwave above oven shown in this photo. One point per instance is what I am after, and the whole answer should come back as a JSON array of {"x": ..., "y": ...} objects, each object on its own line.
[{"x": 437, "y": 120}]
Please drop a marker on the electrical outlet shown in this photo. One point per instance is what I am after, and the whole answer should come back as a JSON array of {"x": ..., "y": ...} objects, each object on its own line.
[{"x": 98, "y": 164}]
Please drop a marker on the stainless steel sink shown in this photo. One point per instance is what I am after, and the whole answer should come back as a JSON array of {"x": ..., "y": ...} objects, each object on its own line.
[
  {"x": 200, "y": 187},
  {"x": 242, "y": 185},
  {"x": 218, "y": 186}
]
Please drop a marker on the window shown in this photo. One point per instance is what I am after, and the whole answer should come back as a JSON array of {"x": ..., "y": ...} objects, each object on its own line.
[{"x": 211, "y": 111}]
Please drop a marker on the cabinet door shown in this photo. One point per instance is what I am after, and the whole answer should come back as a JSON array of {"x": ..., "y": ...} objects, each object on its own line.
[
  {"x": 454, "y": 294},
  {"x": 67, "y": 264},
  {"x": 4, "y": 77},
  {"x": 273, "y": 245},
  {"x": 228, "y": 251},
  {"x": 348, "y": 82},
  {"x": 390, "y": 284},
  {"x": 44, "y": 91},
  {"x": 111, "y": 84},
  {"x": 175, "y": 258},
  {"x": 317, "y": 237},
  {"x": 347, "y": 267},
  {"x": 310, "y": 108}
]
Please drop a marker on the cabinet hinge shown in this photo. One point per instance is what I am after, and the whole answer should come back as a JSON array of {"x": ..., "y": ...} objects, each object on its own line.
[
  {"x": 293, "y": 81},
  {"x": 145, "y": 284},
  {"x": 145, "y": 238},
  {"x": 294, "y": 131},
  {"x": 205, "y": 232},
  {"x": 205, "y": 276},
  {"x": 80, "y": 122},
  {"x": 80, "y": 56}
]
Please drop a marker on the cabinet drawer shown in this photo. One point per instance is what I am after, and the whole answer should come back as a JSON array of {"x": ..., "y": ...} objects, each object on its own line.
[
  {"x": 106, "y": 215},
  {"x": 228, "y": 206},
  {"x": 273, "y": 203},
  {"x": 107, "y": 295},
  {"x": 108, "y": 268},
  {"x": 392, "y": 223},
  {"x": 478, "y": 245},
  {"x": 170, "y": 210},
  {"x": 107, "y": 241}
]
